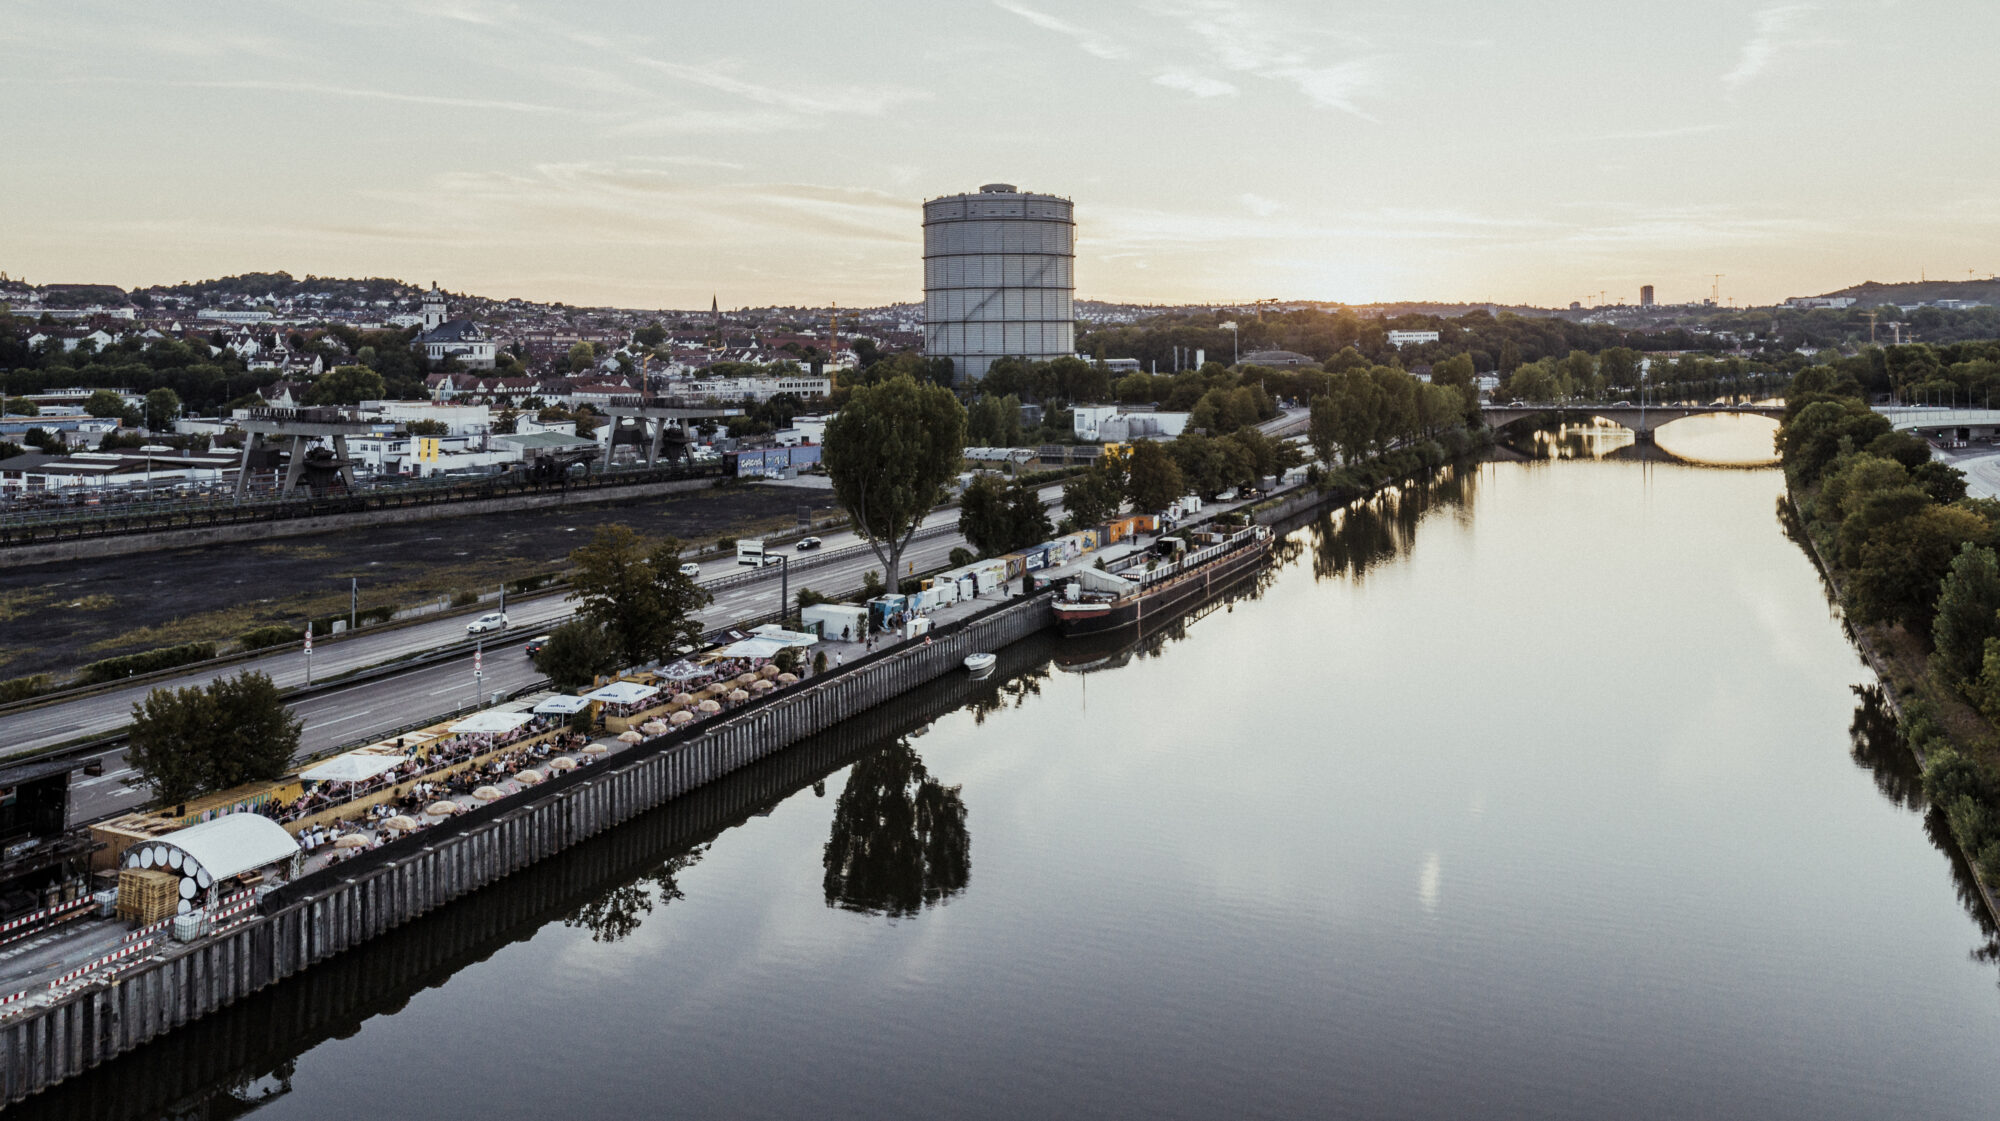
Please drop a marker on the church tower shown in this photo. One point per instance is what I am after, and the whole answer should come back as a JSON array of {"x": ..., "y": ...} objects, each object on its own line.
[{"x": 434, "y": 311}]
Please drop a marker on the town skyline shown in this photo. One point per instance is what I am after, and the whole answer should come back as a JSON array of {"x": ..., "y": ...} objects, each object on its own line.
[{"x": 1218, "y": 151}]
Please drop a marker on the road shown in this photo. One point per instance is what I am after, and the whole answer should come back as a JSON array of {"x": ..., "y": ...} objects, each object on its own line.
[{"x": 343, "y": 715}]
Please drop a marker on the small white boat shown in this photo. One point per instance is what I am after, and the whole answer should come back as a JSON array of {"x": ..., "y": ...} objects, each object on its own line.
[{"x": 980, "y": 663}]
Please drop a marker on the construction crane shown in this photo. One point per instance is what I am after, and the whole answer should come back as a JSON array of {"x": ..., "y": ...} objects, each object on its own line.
[
  {"x": 1259, "y": 305},
  {"x": 1715, "y": 288},
  {"x": 1871, "y": 325}
]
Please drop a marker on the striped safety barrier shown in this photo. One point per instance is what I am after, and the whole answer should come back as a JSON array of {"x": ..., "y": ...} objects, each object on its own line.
[
  {"x": 27, "y": 924},
  {"x": 11, "y": 999},
  {"x": 89, "y": 967},
  {"x": 24, "y": 920},
  {"x": 151, "y": 928}
]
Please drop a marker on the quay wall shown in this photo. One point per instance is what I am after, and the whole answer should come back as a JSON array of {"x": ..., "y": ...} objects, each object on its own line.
[
  {"x": 118, "y": 545},
  {"x": 325, "y": 914}
]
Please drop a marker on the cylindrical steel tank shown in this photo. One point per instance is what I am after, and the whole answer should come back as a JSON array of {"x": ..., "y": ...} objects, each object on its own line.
[{"x": 998, "y": 278}]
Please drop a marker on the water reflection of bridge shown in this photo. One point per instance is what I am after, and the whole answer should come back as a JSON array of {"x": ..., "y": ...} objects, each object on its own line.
[{"x": 1643, "y": 420}]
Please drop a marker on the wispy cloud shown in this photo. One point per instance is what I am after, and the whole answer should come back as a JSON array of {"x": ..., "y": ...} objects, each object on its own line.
[
  {"x": 1089, "y": 41},
  {"x": 871, "y": 101},
  {"x": 323, "y": 89},
  {"x": 1657, "y": 133},
  {"x": 1245, "y": 40},
  {"x": 1774, "y": 35},
  {"x": 1259, "y": 205},
  {"x": 1200, "y": 85}
]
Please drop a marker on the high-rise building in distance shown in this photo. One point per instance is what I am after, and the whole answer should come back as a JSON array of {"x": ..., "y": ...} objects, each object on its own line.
[
  {"x": 998, "y": 278},
  {"x": 1645, "y": 295}
]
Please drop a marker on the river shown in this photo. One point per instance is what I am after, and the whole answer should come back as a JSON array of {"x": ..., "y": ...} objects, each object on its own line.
[{"x": 1543, "y": 790}]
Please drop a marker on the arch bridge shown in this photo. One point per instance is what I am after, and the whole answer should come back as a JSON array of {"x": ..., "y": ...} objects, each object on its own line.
[{"x": 1643, "y": 420}]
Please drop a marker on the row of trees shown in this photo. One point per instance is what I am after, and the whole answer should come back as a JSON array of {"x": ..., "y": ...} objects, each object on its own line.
[{"x": 1367, "y": 412}]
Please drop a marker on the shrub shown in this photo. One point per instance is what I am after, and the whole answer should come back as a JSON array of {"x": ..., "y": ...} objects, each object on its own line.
[
  {"x": 961, "y": 556},
  {"x": 21, "y": 688},
  {"x": 146, "y": 661},
  {"x": 464, "y": 599},
  {"x": 872, "y": 585},
  {"x": 910, "y": 587},
  {"x": 265, "y": 637},
  {"x": 725, "y": 543},
  {"x": 808, "y": 597}
]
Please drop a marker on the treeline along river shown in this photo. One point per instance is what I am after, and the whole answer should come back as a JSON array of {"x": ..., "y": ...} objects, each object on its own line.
[{"x": 1542, "y": 789}]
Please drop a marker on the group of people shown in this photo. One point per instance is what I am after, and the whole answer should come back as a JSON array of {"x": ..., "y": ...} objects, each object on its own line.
[{"x": 417, "y": 762}]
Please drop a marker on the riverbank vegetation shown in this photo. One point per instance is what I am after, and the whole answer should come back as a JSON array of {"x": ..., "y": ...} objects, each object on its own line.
[{"x": 1915, "y": 564}]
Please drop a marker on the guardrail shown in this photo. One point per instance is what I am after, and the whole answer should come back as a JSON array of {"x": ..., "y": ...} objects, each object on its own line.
[{"x": 806, "y": 562}]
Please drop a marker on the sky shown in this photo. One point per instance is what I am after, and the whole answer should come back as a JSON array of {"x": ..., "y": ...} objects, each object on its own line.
[{"x": 649, "y": 154}]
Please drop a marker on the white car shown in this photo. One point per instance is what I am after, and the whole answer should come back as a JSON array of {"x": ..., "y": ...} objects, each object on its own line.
[
  {"x": 690, "y": 569},
  {"x": 487, "y": 623}
]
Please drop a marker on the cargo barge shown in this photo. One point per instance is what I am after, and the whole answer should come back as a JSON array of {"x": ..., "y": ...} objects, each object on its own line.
[{"x": 1096, "y": 602}]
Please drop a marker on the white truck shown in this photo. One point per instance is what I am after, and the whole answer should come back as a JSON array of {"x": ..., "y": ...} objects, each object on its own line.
[{"x": 750, "y": 551}]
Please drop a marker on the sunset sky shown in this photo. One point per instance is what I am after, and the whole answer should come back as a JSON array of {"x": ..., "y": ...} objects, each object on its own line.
[{"x": 649, "y": 154}]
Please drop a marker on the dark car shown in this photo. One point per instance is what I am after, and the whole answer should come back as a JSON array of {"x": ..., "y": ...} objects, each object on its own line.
[
  {"x": 807, "y": 543},
  {"x": 536, "y": 644}
]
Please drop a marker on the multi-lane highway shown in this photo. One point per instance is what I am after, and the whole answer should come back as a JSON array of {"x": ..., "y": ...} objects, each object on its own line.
[{"x": 351, "y": 713}]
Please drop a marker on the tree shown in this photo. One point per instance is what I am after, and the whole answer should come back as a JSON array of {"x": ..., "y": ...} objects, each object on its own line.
[
  {"x": 1903, "y": 562},
  {"x": 186, "y": 742},
  {"x": 998, "y": 518},
  {"x": 162, "y": 406},
  {"x": 640, "y": 601},
  {"x": 346, "y": 385},
  {"x": 1097, "y": 495},
  {"x": 890, "y": 452},
  {"x": 982, "y": 514},
  {"x": 1152, "y": 478},
  {"x": 1966, "y": 616},
  {"x": 575, "y": 655},
  {"x": 106, "y": 403}
]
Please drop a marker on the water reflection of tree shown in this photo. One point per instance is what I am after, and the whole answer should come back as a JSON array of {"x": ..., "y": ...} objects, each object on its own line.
[
  {"x": 1939, "y": 831},
  {"x": 1011, "y": 693},
  {"x": 1349, "y": 542},
  {"x": 619, "y": 911},
  {"x": 899, "y": 842},
  {"x": 1877, "y": 745}
]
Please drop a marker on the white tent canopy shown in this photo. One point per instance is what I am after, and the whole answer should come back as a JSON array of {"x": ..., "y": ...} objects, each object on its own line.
[
  {"x": 562, "y": 705},
  {"x": 492, "y": 721},
  {"x": 216, "y": 850},
  {"x": 789, "y": 638},
  {"x": 622, "y": 693},
  {"x": 682, "y": 670},
  {"x": 352, "y": 767},
  {"x": 753, "y": 648}
]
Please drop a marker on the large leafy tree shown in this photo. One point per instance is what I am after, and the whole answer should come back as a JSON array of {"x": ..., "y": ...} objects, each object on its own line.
[
  {"x": 576, "y": 654},
  {"x": 890, "y": 452},
  {"x": 1903, "y": 562},
  {"x": 1096, "y": 496},
  {"x": 1967, "y": 607},
  {"x": 346, "y": 385},
  {"x": 1152, "y": 479},
  {"x": 201, "y": 739},
  {"x": 162, "y": 406},
  {"x": 998, "y": 518},
  {"x": 637, "y": 598}
]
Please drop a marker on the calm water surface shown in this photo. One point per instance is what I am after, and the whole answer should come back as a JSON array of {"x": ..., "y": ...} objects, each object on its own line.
[{"x": 1540, "y": 792}]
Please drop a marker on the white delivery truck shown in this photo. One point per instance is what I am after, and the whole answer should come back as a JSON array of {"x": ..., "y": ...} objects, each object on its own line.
[{"x": 750, "y": 551}]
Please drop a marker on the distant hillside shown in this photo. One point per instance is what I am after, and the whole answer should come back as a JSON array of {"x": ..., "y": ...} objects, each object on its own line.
[
  {"x": 259, "y": 285},
  {"x": 1871, "y": 292}
]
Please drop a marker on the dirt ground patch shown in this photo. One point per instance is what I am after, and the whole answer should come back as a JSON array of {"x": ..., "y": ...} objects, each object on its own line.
[{"x": 59, "y": 616}]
